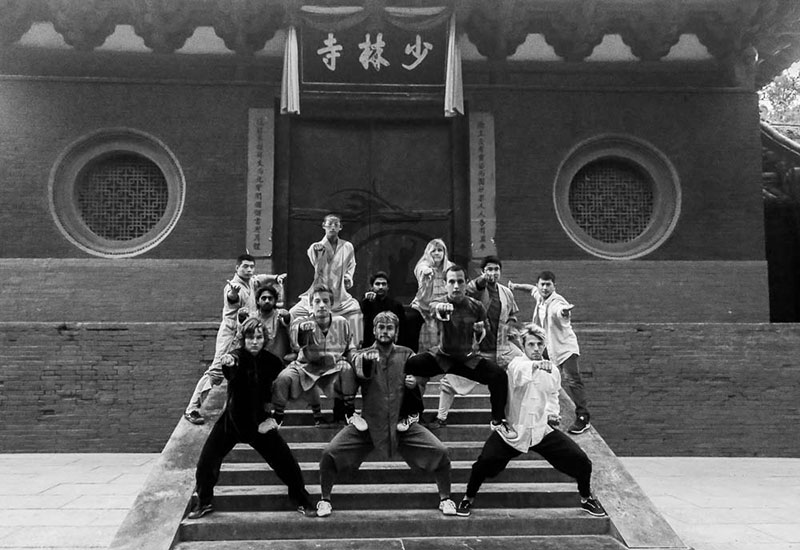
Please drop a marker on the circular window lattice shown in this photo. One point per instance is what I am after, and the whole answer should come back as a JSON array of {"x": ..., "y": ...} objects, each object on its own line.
[
  {"x": 122, "y": 197},
  {"x": 116, "y": 192},
  {"x": 612, "y": 201}
]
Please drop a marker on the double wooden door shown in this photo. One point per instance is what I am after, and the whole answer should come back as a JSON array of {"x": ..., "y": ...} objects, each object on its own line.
[{"x": 394, "y": 182}]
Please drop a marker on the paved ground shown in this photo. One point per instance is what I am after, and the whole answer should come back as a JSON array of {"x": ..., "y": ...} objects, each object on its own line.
[{"x": 71, "y": 501}]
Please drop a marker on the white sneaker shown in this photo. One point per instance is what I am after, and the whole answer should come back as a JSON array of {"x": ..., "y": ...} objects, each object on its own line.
[
  {"x": 448, "y": 507},
  {"x": 358, "y": 422},
  {"x": 268, "y": 425},
  {"x": 405, "y": 423},
  {"x": 324, "y": 508}
]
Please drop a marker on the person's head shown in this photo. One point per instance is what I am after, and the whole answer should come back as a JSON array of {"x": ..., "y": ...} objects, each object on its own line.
[
  {"x": 379, "y": 283},
  {"x": 245, "y": 266},
  {"x": 253, "y": 335},
  {"x": 332, "y": 224},
  {"x": 385, "y": 328},
  {"x": 534, "y": 341},
  {"x": 266, "y": 298},
  {"x": 321, "y": 302},
  {"x": 490, "y": 267},
  {"x": 455, "y": 282},
  {"x": 546, "y": 283},
  {"x": 435, "y": 254}
]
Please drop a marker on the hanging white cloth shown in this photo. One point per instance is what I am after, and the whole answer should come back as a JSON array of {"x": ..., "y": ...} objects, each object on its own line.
[
  {"x": 453, "y": 85},
  {"x": 290, "y": 83}
]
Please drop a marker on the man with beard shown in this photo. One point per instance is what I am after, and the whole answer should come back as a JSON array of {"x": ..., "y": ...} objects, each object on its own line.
[
  {"x": 379, "y": 369},
  {"x": 239, "y": 295},
  {"x": 376, "y": 300}
]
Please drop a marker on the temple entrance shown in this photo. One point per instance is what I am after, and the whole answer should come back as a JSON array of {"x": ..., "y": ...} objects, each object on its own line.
[{"x": 392, "y": 181}]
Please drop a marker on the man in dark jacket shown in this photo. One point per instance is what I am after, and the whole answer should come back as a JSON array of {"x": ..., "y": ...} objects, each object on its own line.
[
  {"x": 250, "y": 371},
  {"x": 377, "y": 299}
]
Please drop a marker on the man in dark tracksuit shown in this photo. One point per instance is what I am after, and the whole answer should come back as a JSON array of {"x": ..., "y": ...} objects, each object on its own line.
[{"x": 250, "y": 371}]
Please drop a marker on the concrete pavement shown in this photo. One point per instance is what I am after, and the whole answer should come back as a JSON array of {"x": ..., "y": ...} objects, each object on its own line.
[{"x": 77, "y": 501}]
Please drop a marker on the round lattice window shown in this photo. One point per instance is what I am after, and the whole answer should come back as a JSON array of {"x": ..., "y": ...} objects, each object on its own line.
[
  {"x": 116, "y": 193},
  {"x": 617, "y": 197}
]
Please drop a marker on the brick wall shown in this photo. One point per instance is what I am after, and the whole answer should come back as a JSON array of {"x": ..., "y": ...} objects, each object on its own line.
[
  {"x": 654, "y": 389},
  {"x": 114, "y": 290},
  {"x": 190, "y": 290}
]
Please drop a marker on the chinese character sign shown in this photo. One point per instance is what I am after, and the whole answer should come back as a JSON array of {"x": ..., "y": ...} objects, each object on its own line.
[
  {"x": 357, "y": 57},
  {"x": 260, "y": 181},
  {"x": 483, "y": 218}
]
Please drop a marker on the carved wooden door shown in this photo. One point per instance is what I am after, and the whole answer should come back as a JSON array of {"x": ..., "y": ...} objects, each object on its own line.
[{"x": 391, "y": 181}]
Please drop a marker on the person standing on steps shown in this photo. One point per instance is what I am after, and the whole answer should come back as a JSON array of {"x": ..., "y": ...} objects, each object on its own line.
[
  {"x": 533, "y": 410},
  {"x": 380, "y": 370}
]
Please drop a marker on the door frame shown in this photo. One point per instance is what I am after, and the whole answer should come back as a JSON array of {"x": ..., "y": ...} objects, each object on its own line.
[{"x": 361, "y": 108}]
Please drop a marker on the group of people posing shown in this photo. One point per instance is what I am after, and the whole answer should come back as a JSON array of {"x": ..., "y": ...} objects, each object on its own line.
[{"x": 330, "y": 344}]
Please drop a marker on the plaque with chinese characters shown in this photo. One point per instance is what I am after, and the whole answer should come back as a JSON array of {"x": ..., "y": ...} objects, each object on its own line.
[{"x": 386, "y": 59}]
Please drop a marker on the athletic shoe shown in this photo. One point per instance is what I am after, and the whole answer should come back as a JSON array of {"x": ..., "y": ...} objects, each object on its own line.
[
  {"x": 436, "y": 424},
  {"x": 324, "y": 508},
  {"x": 319, "y": 420},
  {"x": 199, "y": 511},
  {"x": 405, "y": 423},
  {"x": 503, "y": 428},
  {"x": 464, "y": 508},
  {"x": 581, "y": 425},
  {"x": 268, "y": 425},
  {"x": 448, "y": 507},
  {"x": 593, "y": 507},
  {"x": 358, "y": 422},
  {"x": 194, "y": 417}
]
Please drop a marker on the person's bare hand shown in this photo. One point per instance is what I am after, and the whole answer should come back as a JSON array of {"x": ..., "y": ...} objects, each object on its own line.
[
  {"x": 348, "y": 282},
  {"x": 280, "y": 278},
  {"x": 369, "y": 295},
  {"x": 443, "y": 311},
  {"x": 307, "y": 326},
  {"x": 478, "y": 327},
  {"x": 318, "y": 247},
  {"x": 410, "y": 381},
  {"x": 371, "y": 355}
]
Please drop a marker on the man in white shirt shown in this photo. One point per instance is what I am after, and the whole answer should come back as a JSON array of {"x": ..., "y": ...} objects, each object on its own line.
[{"x": 532, "y": 411}]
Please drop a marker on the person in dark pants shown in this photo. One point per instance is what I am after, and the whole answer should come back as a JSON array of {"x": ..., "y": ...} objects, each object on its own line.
[
  {"x": 379, "y": 368},
  {"x": 533, "y": 410},
  {"x": 250, "y": 371},
  {"x": 461, "y": 328}
]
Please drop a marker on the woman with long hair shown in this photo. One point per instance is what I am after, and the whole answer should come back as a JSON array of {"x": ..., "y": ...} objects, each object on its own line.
[{"x": 429, "y": 271}]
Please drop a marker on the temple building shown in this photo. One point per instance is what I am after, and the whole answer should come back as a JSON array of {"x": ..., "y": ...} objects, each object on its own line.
[{"x": 144, "y": 145}]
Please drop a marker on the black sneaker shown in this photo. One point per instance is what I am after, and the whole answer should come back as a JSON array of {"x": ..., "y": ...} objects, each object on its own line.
[
  {"x": 307, "y": 510},
  {"x": 464, "y": 508},
  {"x": 194, "y": 417},
  {"x": 199, "y": 511},
  {"x": 593, "y": 507},
  {"x": 580, "y": 425}
]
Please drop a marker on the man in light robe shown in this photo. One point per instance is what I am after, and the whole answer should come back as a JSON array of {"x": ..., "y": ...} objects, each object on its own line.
[{"x": 334, "y": 262}]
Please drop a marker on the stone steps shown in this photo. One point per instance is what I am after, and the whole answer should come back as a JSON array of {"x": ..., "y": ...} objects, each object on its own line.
[
  {"x": 411, "y": 496},
  {"x": 388, "y": 472},
  {"x": 393, "y": 523},
  {"x": 560, "y": 542},
  {"x": 311, "y": 450}
]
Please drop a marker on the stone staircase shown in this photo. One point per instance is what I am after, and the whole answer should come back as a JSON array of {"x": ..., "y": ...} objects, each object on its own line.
[{"x": 386, "y": 505}]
